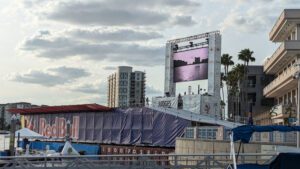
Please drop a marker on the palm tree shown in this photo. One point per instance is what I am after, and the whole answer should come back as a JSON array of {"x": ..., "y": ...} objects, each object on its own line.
[
  {"x": 226, "y": 61},
  {"x": 273, "y": 111},
  {"x": 233, "y": 80},
  {"x": 245, "y": 55}
]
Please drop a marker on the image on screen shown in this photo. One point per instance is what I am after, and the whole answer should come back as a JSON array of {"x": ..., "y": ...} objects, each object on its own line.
[{"x": 191, "y": 65}]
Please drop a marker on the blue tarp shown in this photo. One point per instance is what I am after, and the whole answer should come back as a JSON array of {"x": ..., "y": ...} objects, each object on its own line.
[
  {"x": 3, "y": 153},
  {"x": 57, "y": 146},
  {"x": 252, "y": 166},
  {"x": 286, "y": 161},
  {"x": 245, "y": 132}
]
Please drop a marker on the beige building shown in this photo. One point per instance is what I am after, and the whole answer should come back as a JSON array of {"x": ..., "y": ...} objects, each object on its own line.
[
  {"x": 283, "y": 65},
  {"x": 126, "y": 88}
]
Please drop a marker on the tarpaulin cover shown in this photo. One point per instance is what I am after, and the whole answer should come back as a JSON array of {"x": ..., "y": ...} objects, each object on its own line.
[
  {"x": 252, "y": 166},
  {"x": 245, "y": 132},
  {"x": 286, "y": 161},
  {"x": 132, "y": 126}
]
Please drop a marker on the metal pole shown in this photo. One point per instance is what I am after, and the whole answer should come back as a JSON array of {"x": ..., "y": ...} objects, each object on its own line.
[
  {"x": 3, "y": 118},
  {"x": 298, "y": 109},
  {"x": 12, "y": 135},
  {"x": 68, "y": 135}
]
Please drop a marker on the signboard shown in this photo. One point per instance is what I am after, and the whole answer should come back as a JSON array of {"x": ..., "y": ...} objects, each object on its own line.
[
  {"x": 210, "y": 106},
  {"x": 192, "y": 103},
  {"x": 115, "y": 149},
  {"x": 53, "y": 128},
  {"x": 167, "y": 102}
]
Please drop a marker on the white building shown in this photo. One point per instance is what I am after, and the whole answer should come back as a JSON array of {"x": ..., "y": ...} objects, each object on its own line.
[
  {"x": 283, "y": 65},
  {"x": 126, "y": 88}
]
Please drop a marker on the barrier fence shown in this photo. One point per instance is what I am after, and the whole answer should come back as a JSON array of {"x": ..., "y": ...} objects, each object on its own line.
[
  {"x": 170, "y": 161},
  {"x": 222, "y": 133}
]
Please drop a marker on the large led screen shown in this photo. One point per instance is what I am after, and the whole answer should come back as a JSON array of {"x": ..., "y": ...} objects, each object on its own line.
[{"x": 191, "y": 65}]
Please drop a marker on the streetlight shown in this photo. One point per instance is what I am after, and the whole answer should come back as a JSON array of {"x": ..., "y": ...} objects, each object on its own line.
[{"x": 297, "y": 76}]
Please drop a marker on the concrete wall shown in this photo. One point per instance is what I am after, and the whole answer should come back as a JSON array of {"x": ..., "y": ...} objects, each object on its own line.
[{"x": 186, "y": 145}]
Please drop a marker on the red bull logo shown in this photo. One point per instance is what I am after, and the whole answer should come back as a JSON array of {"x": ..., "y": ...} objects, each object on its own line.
[{"x": 59, "y": 128}]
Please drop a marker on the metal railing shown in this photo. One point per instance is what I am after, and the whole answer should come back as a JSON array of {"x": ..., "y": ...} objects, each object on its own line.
[{"x": 170, "y": 161}]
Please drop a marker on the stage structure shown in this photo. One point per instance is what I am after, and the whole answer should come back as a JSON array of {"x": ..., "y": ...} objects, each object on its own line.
[{"x": 194, "y": 58}]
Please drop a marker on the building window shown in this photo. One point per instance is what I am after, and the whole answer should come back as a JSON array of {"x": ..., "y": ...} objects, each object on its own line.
[
  {"x": 207, "y": 133},
  {"x": 189, "y": 133},
  {"x": 251, "y": 81},
  {"x": 252, "y": 98}
]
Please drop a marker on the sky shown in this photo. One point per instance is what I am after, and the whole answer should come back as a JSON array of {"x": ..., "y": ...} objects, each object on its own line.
[{"x": 58, "y": 52}]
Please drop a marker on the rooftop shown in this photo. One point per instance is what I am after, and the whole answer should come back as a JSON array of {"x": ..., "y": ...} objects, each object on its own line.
[{"x": 62, "y": 109}]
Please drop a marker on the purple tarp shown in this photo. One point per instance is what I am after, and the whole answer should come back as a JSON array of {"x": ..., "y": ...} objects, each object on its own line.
[{"x": 131, "y": 126}]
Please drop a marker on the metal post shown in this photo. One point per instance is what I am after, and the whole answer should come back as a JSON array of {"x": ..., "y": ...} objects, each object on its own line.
[
  {"x": 68, "y": 134},
  {"x": 12, "y": 135},
  {"x": 2, "y": 118},
  {"x": 298, "y": 109}
]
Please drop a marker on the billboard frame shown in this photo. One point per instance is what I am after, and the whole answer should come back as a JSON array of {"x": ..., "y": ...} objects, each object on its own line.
[{"x": 214, "y": 62}]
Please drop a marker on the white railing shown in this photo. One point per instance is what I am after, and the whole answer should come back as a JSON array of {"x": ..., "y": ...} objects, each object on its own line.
[
  {"x": 276, "y": 25},
  {"x": 280, "y": 79},
  {"x": 168, "y": 161},
  {"x": 270, "y": 61},
  {"x": 292, "y": 45}
]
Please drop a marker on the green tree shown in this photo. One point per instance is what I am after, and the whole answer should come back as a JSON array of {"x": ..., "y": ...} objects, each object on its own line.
[
  {"x": 273, "y": 111},
  {"x": 245, "y": 55},
  {"x": 233, "y": 82},
  {"x": 290, "y": 110},
  {"x": 226, "y": 61}
]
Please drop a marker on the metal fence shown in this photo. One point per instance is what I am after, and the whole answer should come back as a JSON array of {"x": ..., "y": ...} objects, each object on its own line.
[
  {"x": 222, "y": 133},
  {"x": 170, "y": 161}
]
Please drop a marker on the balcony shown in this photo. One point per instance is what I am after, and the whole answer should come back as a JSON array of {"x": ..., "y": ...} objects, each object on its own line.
[
  {"x": 282, "y": 83},
  {"x": 281, "y": 112},
  {"x": 284, "y": 54},
  {"x": 284, "y": 25}
]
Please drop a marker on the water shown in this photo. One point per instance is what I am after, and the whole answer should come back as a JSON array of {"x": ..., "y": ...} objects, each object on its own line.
[{"x": 191, "y": 72}]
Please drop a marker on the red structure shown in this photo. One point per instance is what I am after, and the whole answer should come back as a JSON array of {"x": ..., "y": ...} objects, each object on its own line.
[{"x": 62, "y": 109}]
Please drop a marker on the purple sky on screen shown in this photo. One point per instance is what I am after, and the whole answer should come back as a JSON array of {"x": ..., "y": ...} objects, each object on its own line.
[{"x": 189, "y": 56}]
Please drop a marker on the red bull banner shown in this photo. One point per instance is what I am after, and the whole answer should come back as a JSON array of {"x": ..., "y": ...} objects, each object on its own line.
[
  {"x": 132, "y": 126},
  {"x": 58, "y": 129}
]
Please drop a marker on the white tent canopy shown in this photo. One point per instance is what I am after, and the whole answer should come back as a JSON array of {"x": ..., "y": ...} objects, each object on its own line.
[
  {"x": 27, "y": 133},
  {"x": 69, "y": 149}
]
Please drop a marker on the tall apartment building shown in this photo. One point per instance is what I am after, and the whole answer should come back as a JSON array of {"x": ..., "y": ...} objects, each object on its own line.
[
  {"x": 282, "y": 64},
  {"x": 256, "y": 79},
  {"x": 126, "y": 88}
]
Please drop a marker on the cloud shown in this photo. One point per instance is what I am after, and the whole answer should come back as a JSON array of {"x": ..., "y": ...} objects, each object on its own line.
[
  {"x": 124, "y": 35},
  {"x": 252, "y": 21},
  {"x": 151, "y": 91},
  {"x": 119, "y": 12},
  {"x": 60, "y": 47},
  {"x": 99, "y": 88},
  {"x": 110, "y": 67},
  {"x": 184, "y": 20},
  {"x": 51, "y": 76}
]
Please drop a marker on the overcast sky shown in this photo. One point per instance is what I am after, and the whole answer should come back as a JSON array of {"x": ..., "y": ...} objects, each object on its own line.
[{"x": 61, "y": 52}]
